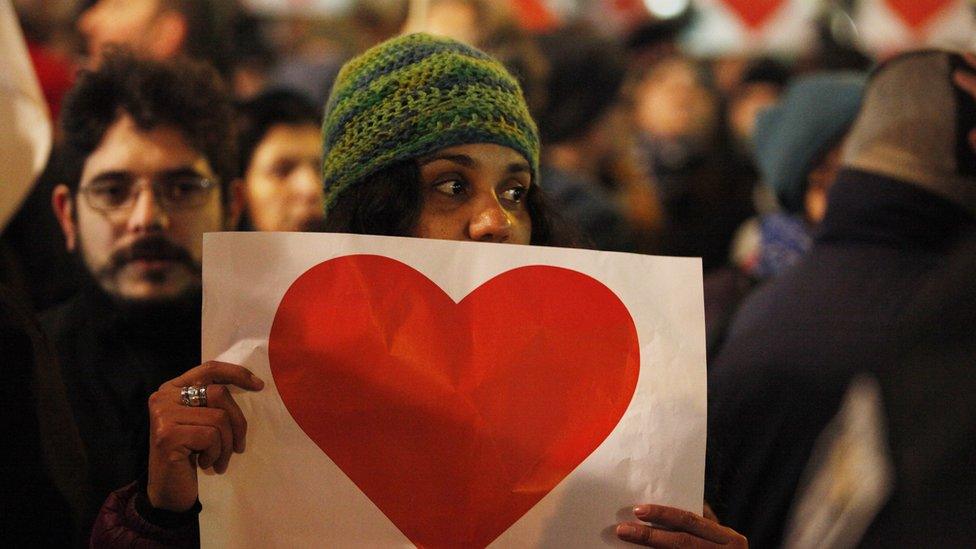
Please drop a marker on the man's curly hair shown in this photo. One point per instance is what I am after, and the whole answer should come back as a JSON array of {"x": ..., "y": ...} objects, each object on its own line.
[{"x": 180, "y": 93}]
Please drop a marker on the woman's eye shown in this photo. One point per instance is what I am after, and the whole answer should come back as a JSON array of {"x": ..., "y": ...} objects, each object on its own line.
[
  {"x": 282, "y": 169},
  {"x": 515, "y": 194},
  {"x": 450, "y": 188}
]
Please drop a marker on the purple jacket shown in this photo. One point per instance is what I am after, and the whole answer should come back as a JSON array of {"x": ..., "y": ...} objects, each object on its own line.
[{"x": 128, "y": 520}]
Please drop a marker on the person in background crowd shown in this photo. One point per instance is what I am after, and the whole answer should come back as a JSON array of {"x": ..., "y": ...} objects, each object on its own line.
[
  {"x": 474, "y": 178},
  {"x": 252, "y": 57},
  {"x": 902, "y": 443},
  {"x": 150, "y": 164},
  {"x": 158, "y": 29},
  {"x": 797, "y": 148},
  {"x": 576, "y": 126},
  {"x": 760, "y": 87},
  {"x": 905, "y": 196},
  {"x": 930, "y": 415},
  {"x": 654, "y": 40},
  {"x": 704, "y": 199},
  {"x": 280, "y": 144}
]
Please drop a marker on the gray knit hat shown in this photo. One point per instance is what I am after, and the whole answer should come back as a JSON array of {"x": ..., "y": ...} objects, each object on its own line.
[
  {"x": 913, "y": 126},
  {"x": 813, "y": 114}
]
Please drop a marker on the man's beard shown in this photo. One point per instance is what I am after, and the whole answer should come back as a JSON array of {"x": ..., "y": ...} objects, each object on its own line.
[{"x": 149, "y": 248}]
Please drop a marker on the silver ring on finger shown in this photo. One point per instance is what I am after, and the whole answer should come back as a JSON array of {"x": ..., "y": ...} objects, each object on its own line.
[{"x": 194, "y": 396}]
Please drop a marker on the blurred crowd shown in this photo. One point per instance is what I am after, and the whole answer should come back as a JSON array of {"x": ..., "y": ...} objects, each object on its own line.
[
  {"x": 832, "y": 206},
  {"x": 653, "y": 155}
]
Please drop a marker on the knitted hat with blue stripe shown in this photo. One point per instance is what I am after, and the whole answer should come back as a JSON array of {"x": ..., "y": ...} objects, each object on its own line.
[{"x": 414, "y": 95}]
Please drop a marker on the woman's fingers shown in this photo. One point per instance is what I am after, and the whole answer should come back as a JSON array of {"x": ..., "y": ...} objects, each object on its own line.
[
  {"x": 177, "y": 442},
  {"x": 215, "y": 418},
  {"x": 648, "y": 536},
  {"x": 218, "y": 397},
  {"x": 671, "y": 527},
  {"x": 221, "y": 413},
  {"x": 223, "y": 373},
  {"x": 216, "y": 376},
  {"x": 683, "y": 521}
]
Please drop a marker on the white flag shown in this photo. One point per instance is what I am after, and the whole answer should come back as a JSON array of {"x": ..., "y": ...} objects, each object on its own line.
[{"x": 25, "y": 125}]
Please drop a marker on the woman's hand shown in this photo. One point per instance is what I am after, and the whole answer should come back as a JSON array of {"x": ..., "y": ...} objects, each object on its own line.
[
  {"x": 183, "y": 437},
  {"x": 673, "y": 527}
]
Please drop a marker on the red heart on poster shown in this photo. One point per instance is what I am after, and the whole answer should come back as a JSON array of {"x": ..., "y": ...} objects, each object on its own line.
[
  {"x": 455, "y": 419},
  {"x": 754, "y": 13},
  {"x": 917, "y": 13}
]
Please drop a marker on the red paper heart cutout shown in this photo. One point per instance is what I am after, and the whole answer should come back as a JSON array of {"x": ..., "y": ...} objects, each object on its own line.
[
  {"x": 917, "y": 13},
  {"x": 455, "y": 419},
  {"x": 754, "y": 13}
]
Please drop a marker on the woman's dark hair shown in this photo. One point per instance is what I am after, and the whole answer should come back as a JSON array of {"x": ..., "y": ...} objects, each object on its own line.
[{"x": 388, "y": 203}]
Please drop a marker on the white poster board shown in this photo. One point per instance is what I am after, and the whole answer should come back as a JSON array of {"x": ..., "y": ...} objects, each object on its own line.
[{"x": 352, "y": 325}]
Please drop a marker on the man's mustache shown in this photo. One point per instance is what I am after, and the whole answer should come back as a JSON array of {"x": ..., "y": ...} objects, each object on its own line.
[{"x": 151, "y": 248}]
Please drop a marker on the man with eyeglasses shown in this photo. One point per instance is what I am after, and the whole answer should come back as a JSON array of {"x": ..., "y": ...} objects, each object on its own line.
[{"x": 149, "y": 166}]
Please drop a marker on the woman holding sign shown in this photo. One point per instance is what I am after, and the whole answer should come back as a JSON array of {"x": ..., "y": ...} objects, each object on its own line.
[{"x": 424, "y": 137}]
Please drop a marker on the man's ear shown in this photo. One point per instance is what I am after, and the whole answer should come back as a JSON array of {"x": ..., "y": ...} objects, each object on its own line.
[
  {"x": 64, "y": 209},
  {"x": 234, "y": 205},
  {"x": 169, "y": 36}
]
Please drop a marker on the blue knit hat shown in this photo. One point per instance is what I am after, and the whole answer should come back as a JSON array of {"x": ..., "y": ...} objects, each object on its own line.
[{"x": 813, "y": 114}]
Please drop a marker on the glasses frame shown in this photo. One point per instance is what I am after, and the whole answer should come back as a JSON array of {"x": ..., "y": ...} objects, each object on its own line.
[{"x": 207, "y": 184}]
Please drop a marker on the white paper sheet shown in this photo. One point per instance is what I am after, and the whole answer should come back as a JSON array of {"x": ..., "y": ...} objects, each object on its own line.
[{"x": 284, "y": 491}]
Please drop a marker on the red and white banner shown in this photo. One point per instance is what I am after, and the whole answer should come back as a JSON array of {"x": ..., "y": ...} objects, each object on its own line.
[
  {"x": 451, "y": 394},
  {"x": 887, "y": 27},
  {"x": 749, "y": 26}
]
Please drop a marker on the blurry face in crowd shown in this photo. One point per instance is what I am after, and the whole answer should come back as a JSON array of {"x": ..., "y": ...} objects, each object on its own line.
[
  {"x": 143, "y": 203},
  {"x": 283, "y": 183},
  {"x": 671, "y": 102},
  {"x": 141, "y": 25},
  {"x": 475, "y": 192},
  {"x": 749, "y": 102}
]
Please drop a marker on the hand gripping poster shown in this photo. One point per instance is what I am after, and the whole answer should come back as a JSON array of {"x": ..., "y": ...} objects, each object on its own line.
[{"x": 451, "y": 394}]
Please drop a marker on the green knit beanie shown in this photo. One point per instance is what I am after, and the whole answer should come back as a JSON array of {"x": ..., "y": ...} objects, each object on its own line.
[{"x": 414, "y": 95}]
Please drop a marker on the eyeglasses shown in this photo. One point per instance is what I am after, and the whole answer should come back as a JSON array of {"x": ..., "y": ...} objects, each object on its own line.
[{"x": 182, "y": 191}]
